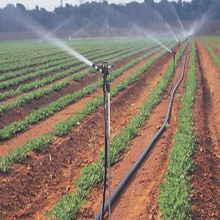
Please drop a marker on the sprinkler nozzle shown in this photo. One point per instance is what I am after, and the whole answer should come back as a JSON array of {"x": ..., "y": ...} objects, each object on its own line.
[
  {"x": 102, "y": 67},
  {"x": 174, "y": 53}
]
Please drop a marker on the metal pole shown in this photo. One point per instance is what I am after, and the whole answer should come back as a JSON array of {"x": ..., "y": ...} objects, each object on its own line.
[
  {"x": 105, "y": 87},
  {"x": 103, "y": 68},
  {"x": 109, "y": 154}
]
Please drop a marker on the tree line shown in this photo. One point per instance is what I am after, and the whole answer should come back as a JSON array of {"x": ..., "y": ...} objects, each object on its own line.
[{"x": 98, "y": 14}]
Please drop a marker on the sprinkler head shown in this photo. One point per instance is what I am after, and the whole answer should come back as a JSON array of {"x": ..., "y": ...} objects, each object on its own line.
[{"x": 103, "y": 67}]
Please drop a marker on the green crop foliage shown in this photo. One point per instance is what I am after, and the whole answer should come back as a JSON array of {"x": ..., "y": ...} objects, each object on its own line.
[
  {"x": 212, "y": 53},
  {"x": 69, "y": 205},
  {"x": 48, "y": 110},
  {"x": 174, "y": 200},
  {"x": 26, "y": 98},
  {"x": 51, "y": 67},
  {"x": 64, "y": 127},
  {"x": 66, "y": 71}
]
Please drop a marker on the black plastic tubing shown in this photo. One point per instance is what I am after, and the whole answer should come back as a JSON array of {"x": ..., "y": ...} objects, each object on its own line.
[{"x": 144, "y": 154}]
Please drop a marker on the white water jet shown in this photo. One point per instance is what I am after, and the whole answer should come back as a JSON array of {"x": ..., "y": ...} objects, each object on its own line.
[
  {"x": 153, "y": 38},
  {"x": 168, "y": 26},
  {"x": 56, "y": 29},
  {"x": 179, "y": 21},
  {"x": 158, "y": 42},
  {"x": 42, "y": 33}
]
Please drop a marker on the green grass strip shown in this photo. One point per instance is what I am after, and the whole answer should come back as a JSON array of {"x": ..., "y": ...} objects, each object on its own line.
[
  {"x": 174, "y": 200},
  {"x": 70, "y": 204},
  {"x": 20, "y": 153}
]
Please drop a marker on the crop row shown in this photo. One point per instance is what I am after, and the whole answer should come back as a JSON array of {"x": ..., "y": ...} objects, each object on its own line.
[
  {"x": 59, "y": 62},
  {"x": 212, "y": 44},
  {"x": 63, "y": 65},
  {"x": 47, "y": 80},
  {"x": 17, "y": 54},
  {"x": 45, "y": 91},
  {"x": 61, "y": 103},
  {"x": 35, "y": 53},
  {"x": 31, "y": 63},
  {"x": 212, "y": 53},
  {"x": 20, "y": 153},
  {"x": 56, "y": 59},
  {"x": 70, "y": 204},
  {"x": 37, "y": 61},
  {"x": 216, "y": 38},
  {"x": 174, "y": 199}
]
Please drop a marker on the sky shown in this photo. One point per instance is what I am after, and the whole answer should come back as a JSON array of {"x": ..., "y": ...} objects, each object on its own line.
[{"x": 51, "y": 4}]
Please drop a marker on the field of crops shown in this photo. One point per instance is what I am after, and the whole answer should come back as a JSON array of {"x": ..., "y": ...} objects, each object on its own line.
[{"x": 52, "y": 138}]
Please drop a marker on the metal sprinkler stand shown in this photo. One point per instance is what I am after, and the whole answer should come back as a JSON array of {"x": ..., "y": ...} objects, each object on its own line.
[
  {"x": 104, "y": 69},
  {"x": 174, "y": 69},
  {"x": 179, "y": 46},
  {"x": 174, "y": 60}
]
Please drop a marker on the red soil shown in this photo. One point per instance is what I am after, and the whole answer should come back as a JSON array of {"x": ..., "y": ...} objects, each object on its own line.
[
  {"x": 47, "y": 125},
  {"x": 19, "y": 113},
  {"x": 215, "y": 50},
  {"x": 45, "y": 176},
  {"x": 206, "y": 177},
  {"x": 215, "y": 42},
  {"x": 139, "y": 199}
]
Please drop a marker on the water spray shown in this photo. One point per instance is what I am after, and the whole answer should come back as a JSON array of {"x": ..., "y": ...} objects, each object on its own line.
[
  {"x": 31, "y": 25},
  {"x": 171, "y": 31},
  {"x": 104, "y": 69}
]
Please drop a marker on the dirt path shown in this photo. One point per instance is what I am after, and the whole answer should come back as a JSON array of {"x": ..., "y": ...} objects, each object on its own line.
[
  {"x": 139, "y": 200},
  {"x": 31, "y": 189},
  {"x": 206, "y": 177}
]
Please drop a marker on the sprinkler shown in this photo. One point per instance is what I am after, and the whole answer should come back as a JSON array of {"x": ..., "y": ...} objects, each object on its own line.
[
  {"x": 174, "y": 60},
  {"x": 104, "y": 69},
  {"x": 179, "y": 46},
  {"x": 174, "y": 69},
  {"x": 186, "y": 39}
]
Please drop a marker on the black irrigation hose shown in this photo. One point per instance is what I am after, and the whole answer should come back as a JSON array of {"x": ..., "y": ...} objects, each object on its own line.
[{"x": 144, "y": 154}]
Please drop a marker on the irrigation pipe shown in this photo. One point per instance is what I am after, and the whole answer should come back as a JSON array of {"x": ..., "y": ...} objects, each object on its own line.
[{"x": 144, "y": 154}]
